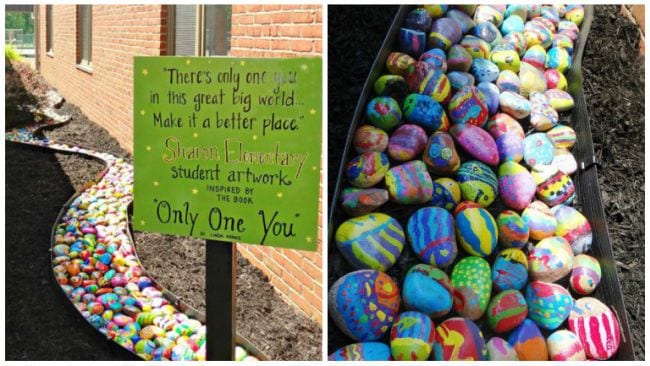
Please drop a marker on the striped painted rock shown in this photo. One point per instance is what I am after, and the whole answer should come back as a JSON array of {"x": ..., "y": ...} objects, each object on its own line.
[
  {"x": 596, "y": 326},
  {"x": 506, "y": 311},
  {"x": 476, "y": 231},
  {"x": 411, "y": 338},
  {"x": 430, "y": 231}
]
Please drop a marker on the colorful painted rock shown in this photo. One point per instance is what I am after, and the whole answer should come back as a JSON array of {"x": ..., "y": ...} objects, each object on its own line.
[
  {"x": 535, "y": 56},
  {"x": 486, "y": 13},
  {"x": 514, "y": 104},
  {"x": 553, "y": 186},
  {"x": 563, "y": 41},
  {"x": 532, "y": 80},
  {"x": 364, "y": 304},
  {"x": 529, "y": 342},
  {"x": 518, "y": 41},
  {"x": 502, "y": 123},
  {"x": 510, "y": 147},
  {"x": 573, "y": 227},
  {"x": 558, "y": 58},
  {"x": 365, "y": 351},
  {"x": 357, "y": 201},
  {"x": 393, "y": 86},
  {"x": 562, "y": 136},
  {"x": 564, "y": 161},
  {"x": 435, "y": 57},
  {"x": 565, "y": 346},
  {"x": 425, "y": 112},
  {"x": 484, "y": 70},
  {"x": 512, "y": 24},
  {"x": 548, "y": 304},
  {"x": 576, "y": 14},
  {"x": 468, "y": 106},
  {"x": 518, "y": 10},
  {"x": 367, "y": 169},
  {"x": 506, "y": 311},
  {"x": 444, "y": 33},
  {"x": 464, "y": 21},
  {"x": 411, "y": 338},
  {"x": 370, "y": 139},
  {"x": 427, "y": 289},
  {"x": 510, "y": 270},
  {"x": 372, "y": 241},
  {"x": 412, "y": 42},
  {"x": 409, "y": 183},
  {"x": 488, "y": 32},
  {"x": 500, "y": 350},
  {"x": 540, "y": 220},
  {"x": 585, "y": 275},
  {"x": 476, "y": 47},
  {"x": 542, "y": 116},
  {"x": 477, "y": 142},
  {"x": 513, "y": 230},
  {"x": 440, "y": 154},
  {"x": 478, "y": 183},
  {"x": 555, "y": 80},
  {"x": 477, "y": 231},
  {"x": 417, "y": 75},
  {"x": 446, "y": 194},
  {"x": 384, "y": 112},
  {"x": 436, "y": 10},
  {"x": 418, "y": 19},
  {"x": 472, "y": 285},
  {"x": 458, "y": 59},
  {"x": 596, "y": 326},
  {"x": 560, "y": 100},
  {"x": 465, "y": 205},
  {"x": 459, "y": 80},
  {"x": 431, "y": 234},
  {"x": 508, "y": 81},
  {"x": 491, "y": 93},
  {"x": 537, "y": 34},
  {"x": 550, "y": 260},
  {"x": 516, "y": 185},
  {"x": 437, "y": 86},
  {"x": 407, "y": 142},
  {"x": 538, "y": 149},
  {"x": 398, "y": 63},
  {"x": 506, "y": 60},
  {"x": 459, "y": 339},
  {"x": 551, "y": 13}
]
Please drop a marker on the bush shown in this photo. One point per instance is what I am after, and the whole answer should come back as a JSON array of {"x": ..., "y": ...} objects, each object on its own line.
[{"x": 11, "y": 54}]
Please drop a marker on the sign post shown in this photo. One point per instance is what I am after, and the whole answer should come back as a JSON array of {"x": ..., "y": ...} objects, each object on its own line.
[{"x": 221, "y": 296}]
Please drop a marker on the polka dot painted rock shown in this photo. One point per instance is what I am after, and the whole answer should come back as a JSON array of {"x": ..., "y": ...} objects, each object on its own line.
[
  {"x": 367, "y": 169},
  {"x": 476, "y": 47},
  {"x": 370, "y": 139},
  {"x": 459, "y": 339},
  {"x": 555, "y": 80},
  {"x": 508, "y": 81},
  {"x": 487, "y": 32},
  {"x": 558, "y": 58},
  {"x": 384, "y": 112},
  {"x": 550, "y": 260},
  {"x": 472, "y": 285},
  {"x": 478, "y": 183},
  {"x": 446, "y": 194},
  {"x": 553, "y": 186},
  {"x": 564, "y": 161},
  {"x": 540, "y": 220},
  {"x": 510, "y": 147},
  {"x": 365, "y": 351},
  {"x": 491, "y": 93},
  {"x": 364, "y": 304},
  {"x": 516, "y": 185},
  {"x": 573, "y": 227},
  {"x": 464, "y": 21},
  {"x": 435, "y": 57},
  {"x": 418, "y": 19},
  {"x": 538, "y": 149},
  {"x": 409, "y": 183},
  {"x": 506, "y": 311},
  {"x": 513, "y": 230},
  {"x": 444, "y": 33},
  {"x": 477, "y": 231},
  {"x": 532, "y": 80},
  {"x": 412, "y": 42},
  {"x": 542, "y": 116},
  {"x": 585, "y": 275},
  {"x": 468, "y": 105},
  {"x": 502, "y": 123},
  {"x": 535, "y": 56},
  {"x": 562, "y": 136},
  {"x": 411, "y": 338},
  {"x": 459, "y": 80},
  {"x": 357, "y": 201},
  {"x": 484, "y": 70},
  {"x": 458, "y": 59},
  {"x": 372, "y": 241},
  {"x": 510, "y": 270},
  {"x": 393, "y": 86},
  {"x": 431, "y": 234},
  {"x": 529, "y": 342},
  {"x": 560, "y": 100},
  {"x": 499, "y": 350},
  {"x": 597, "y": 328},
  {"x": 398, "y": 63},
  {"x": 514, "y": 104},
  {"x": 565, "y": 346},
  {"x": 548, "y": 304},
  {"x": 477, "y": 142},
  {"x": 407, "y": 142},
  {"x": 440, "y": 154},
  {"x": 425, "y": 112},
  {"x": 486, "y": 13},
  {"x": 427, "y": 289}
]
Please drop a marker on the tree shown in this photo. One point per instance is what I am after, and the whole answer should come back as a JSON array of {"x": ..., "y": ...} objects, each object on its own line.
[{"x": 18, "y": 20}]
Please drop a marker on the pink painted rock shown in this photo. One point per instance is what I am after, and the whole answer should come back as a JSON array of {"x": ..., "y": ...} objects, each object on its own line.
[
  {"x": 477, "y": 142},
  {"x": 516, "y": 186},
  {"x": 502, "y": 123},
  {"x": 370, "y": 139},
  {"x": 596, "y": 326},
  {"x": 407, "y": 142}
]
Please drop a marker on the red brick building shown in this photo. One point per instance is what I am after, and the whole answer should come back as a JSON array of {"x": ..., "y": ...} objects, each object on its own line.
[{"x": 86, "y": 52}]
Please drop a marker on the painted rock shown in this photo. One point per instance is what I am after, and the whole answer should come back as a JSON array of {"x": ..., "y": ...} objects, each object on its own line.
[
  {"x": 538, "y": 149},
  {"x": 506, "y": 311},
  {"x": 459, "y": 339},
  {"x": 412, "y": 42},
  {"x": 513, "y": 230},
  {"x": 458, "y": 59},
  {"x": 565, "y": 346},
  {"x": 478, "y": 183},
  {"x": 518, "y": 41},
  {"x": 516, "y": 185},
  {"x": 516, "y": 9},
  {"x": 440, "y": 154},
  {"x": 367, "y": 169},
  {"x": 472, "y": 285},
  {"x": 565, "y": 161},
  {"x": 409, "y": 183},
  {"x": 486, "y": 13},
  {"x": 370, "y": 139},
  {"x": 418, "y": 19},
  {"x": 500, "y": 350},
  {"x": 465, "y": 205},
  {"x": 573, "y": 227},
  {"x": 488, "y": 32},
  {"x": 407, "y": 142},
  {"x": 459, "y": 80},
  {"x": 549, "y": 304},
  {"x": 417, "y": 75},
  {"x": 464, "y": 21},
  {"x": 532, "y": 80},
  {"x": 510, "y": 147},
  {"x": 384, "y": 112},
  {"x": 431, "y": 234},
  {"x": 585, "y": 275},
  {"x": 427, "y": 289},
  {"x": 569, "y": 28},
  {"x": 506, "y": 59},
  {"x": 373, "y": 241},
  {"x": 576, "y": 14},
  {"x": 436, "y": 10},
  {"x": 364, "y": 304},
  {"x": 444, "y": 33},
  {"x": 510, "y": 270},
  {"x": 542, "y": 116},
  {"x": 558, "y": 58},
  {"x": 477, "y": 231},
  {"x": 398, "y": 63},
  {"x": 550, "y": 260},
  {"x": 534, "y": 10},
  {"x": 446, "y": 194},
  {"x": 563, "y": 41},
  {"x": 535, "y": 56},
  {"x": 560, "y": 100},
  {"x": 437, "y": 86},
  {"x": 537, "y": 34},
  {"x": 436, "y": 57},
  {"x": 596, "y": 326},
  {"x": 425, "y": 112},
  {"x": 512, "y": 24},
  {"x": 529, "y": 342},
  {"x": 484, "y": 70},
  {"x": 393, "y": 86},
  {"x": 468, "y": 106},
  {"x": 508, "y": 81},
  {"x": 553, "y": 186},
  {"x": 476, "y": 47},
  {"x": 562, "y": 136},
  {"x": 555, "y": 80},
  {"x": 365, "y": 351},
  {"x": 357, "y": 202},
  {"x": 502, "y": 123},
  {"x": 540, "y": 220},
  {"x": 514, "y": 104},
  {"x": 552, "y": 14},
  {"x": 477, "y": 142},
  {"x": 491, "y": 93},
  {"x": 411, "y": 338}
]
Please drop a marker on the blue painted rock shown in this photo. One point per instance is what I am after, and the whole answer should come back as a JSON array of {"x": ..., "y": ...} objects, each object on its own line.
[
  {"x": 488, "y": 32},
  {"x": 564, "y": 161},
  {"x": 511, "y": 24},
  {"x": 514, "y": 104},
  {"x": 458, "y": 59},
  {"x": 372, "y": 241},
  {"x": 431, "y": 234},
  {"x": 538, "y": 150},
  {"x": 540, "y": 220},
  {"x": 513, "y": 230},
  {"x": 446, "y": 194},
  {"x": 516, "y": 185},
  {"x": 596, "y": 326},
  {"x": 440, "y": 154},
  {"x": 384, "y": 112},
  {"x": 499, "y": 350},
  {"x": 418, "y": 19},
  {"x": 506, "y": 311},
  {"x": 585, "y": 275},
  {"x": 548, "y": 304},
  {"x": 472, "y": 285},
  {"x": 560, "y": 100},
  {"x": 487, "y": 13},
  {"x": 478, "y": 183},
  {"x": 532, "y": 80},
  {"x": 397, "y": 63},
  {"x": 510, "y": 270},
  {"x": 459, "y": 80},
  {"x": 436, "y": 57},
  {"x": 427, "y": 289},
  {"x": 519, "y": 10},
  {"x": 518, "y": 41},
  {"x": 476, "y": 47},
  {"x": 365, "y": 351},
  {"x": 364, "y": 304},
  {"x": 553, "y": 186},
  {"x": 464, "y": 21},
  {"x": 508, "y": 81},
  {"x": 542, "y": 116},
  {"x": 502, "y": 123},
  {"x": 357, "y": 201},
  {"x": 551, "y": 13},
  {"x": 506, "y": 59},
  {"x": 425, "y": 112},
  {"x": 409, "y": 183},
  {"x": 407, "y": 142},
  {"x": 550, "y": 260},
  {"x": 444, "y": 33},
  {"x": 558, "y": 58},
  {"x": 393, "y": 86},
  {"x": 535, "y": 56},
  {"x": 491, "y": 93},
  {"x": 510, "y": 147},
  {"x": 562, "y": 136},
  {"x": 563, "y": 345},
  {"x": 370, "y": 139},
  {"x": 484, "y": 70},
  {"x": 367, "y": 169},
  {"x": 436, "y": 10},
  {"x": 529, "y": 342},
  {"x": 412, "y": 42},
  {"x": 468, "y": 106},
  {"x": 459, "y": 339},
  {"x": 573, "y": 227},
  {"x": 411, "y": 338},
  {"x": 477, "y": 142},
  {"x": 476, "y": 231}
]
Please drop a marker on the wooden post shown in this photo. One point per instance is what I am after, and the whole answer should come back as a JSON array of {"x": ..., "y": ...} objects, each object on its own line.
[{"x": 221, "y": 295}]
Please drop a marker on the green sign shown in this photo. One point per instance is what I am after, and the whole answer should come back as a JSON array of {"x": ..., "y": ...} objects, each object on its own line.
[{"x": 228, "y": 148}]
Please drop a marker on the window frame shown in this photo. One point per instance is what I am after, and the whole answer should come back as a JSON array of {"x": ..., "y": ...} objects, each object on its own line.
[
  {"x": 84, "y": 63},
  {"x": 49, "y": 30},
  {"x": 199, "y": 42}
]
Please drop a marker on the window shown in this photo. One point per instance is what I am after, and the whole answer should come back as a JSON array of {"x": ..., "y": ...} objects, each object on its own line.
[
  {"x": 48, "y": 30},
  {"x": 84, "y": 35},
  {"x": 199, "y": 30}
]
